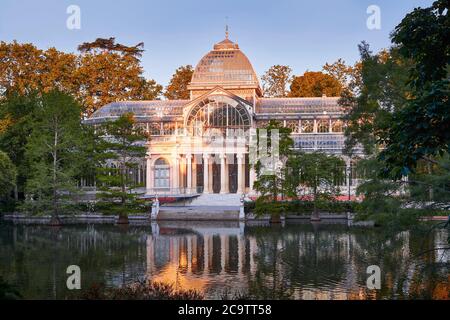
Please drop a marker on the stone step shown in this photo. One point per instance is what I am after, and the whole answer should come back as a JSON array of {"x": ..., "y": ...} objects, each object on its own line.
[
  {"x": 232, "y": 200},
  {"x": 198, "y": 213}
]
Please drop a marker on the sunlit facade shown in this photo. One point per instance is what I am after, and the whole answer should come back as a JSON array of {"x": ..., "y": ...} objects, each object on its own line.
[{"x": 226, "y": 101}]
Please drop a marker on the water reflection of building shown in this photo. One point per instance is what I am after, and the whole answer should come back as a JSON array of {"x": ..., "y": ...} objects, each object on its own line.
[
  {"x": 213, "y": 260},
  {"x": 192, "y": 258},
  {"x": 299, "y": 263}
]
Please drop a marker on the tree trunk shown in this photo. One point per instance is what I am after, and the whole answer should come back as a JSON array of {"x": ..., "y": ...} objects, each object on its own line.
[
  {"x": 123, "y": 219},
  {"x": 55, "y": 221}
]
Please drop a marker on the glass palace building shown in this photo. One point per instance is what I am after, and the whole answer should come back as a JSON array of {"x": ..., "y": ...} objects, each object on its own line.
[{"x": 225, "y": 97}]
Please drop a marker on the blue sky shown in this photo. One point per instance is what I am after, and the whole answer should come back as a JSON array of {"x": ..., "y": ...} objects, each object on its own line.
[{"x": 302, "y": 34}]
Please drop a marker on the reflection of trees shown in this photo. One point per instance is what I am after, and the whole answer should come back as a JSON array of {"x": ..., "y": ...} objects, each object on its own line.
[
  {"x": 300, "y": 258},
  {"x": 288, "y": 260},
  {"x": 35, "y": 258}
]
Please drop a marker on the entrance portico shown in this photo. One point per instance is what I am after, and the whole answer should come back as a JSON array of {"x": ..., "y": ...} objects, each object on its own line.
[{"x": 198, "y": 173}]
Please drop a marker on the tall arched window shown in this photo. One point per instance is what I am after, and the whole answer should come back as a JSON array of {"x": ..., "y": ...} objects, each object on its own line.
[
  {"x": 162, "y": 174},
  {"x": 218, "y": 114}
]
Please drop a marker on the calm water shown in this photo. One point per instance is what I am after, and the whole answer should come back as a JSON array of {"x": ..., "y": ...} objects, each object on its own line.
[{"x": 297, "y": 261}]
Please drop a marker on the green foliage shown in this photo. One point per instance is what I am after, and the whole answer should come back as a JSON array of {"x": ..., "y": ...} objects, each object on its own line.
[
  {"x": 17, "y": 113},
  {"x": 421, "y": 129},
  {"x": 317, "y": 172},
  {"x": 7, "y": 291},
  {"x": 382, "y": 91},
  {"x": 52, "y": 152},
  {"x": 8, "y": 175},
  {"x": 300, "y": 207},
  {"x": 119, "y": 150},
  {"x": 270, "y": 186},
  {"x": 177, "y": 88}
]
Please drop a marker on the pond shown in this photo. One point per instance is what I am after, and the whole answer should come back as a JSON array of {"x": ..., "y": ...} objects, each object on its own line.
[{"x": 293, "y": 261}]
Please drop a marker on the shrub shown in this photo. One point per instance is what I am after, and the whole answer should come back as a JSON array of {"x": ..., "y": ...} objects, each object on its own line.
[{"x": 141, "y": 290}]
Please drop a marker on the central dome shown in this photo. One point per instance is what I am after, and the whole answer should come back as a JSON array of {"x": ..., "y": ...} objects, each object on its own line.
[{"x": 226, "y": 66}]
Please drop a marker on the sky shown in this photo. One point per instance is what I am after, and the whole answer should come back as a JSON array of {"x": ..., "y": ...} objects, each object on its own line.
[{"x": 302, "y": 34}]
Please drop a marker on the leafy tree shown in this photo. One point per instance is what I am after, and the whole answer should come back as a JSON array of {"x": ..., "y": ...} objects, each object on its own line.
[
  {"x": 53, "y": 150},
  {"x": 317, "y": 172},
  {"x": 382, "y": 92},
  {"x": 177, "y": 88},
  {"x": 109, "y": 45},
  {"x": 109, "y": 71},
  {"x": 103, "y": 72},
  {"x": 421, "y": 129},
  {"x": 347, "y": 76},
  {"x": 8, "y": 175},
  {"x": 24, "y": 68},
  {"x": 276, "y": 80},
  {"x": 271, "y": 186},
  {"x": 315, "y": 84},
  {"x": 17, "y": 116},
  {"x": 120, "y": 149}
]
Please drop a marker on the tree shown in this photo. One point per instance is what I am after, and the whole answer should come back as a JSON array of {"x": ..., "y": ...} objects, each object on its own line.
[
  {"x": 24, "y": 68},
  {"x": 347, "y": 75},
  {"x": 177, "y": 88},
  {"x": 317, "y": 172},
  {"x": 315, "y": 84},
  {"x": 8, "y": 175},
  {"x": 421, "y": 129},
  {"x": 103, "y": 72},
  {"x": 271, "y": 186},
  {"x": 17, "y": 118},
  {"x": 53, "y": 150},
  {"x": 383, "y": 91},
  {"x": 119, "y": 151},
  {"x": 276, "y": 80},
  {"x": 109, "y": 72}
]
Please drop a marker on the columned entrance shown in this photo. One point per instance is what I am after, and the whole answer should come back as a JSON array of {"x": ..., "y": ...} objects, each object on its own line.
[{"x": 199, "y": 173}]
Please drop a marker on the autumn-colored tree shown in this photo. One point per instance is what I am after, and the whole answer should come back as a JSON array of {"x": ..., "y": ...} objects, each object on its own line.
[
  {"x": 109, "y": 72},
  {"x": 103, "y": 72},
  {"x": 24, "y": 68},
  {"x": 177, "y": 88},
  {"x": 315, "y": 84},
  {"x": 276, "y": 80},
  {"x": 342, "y": 72}
]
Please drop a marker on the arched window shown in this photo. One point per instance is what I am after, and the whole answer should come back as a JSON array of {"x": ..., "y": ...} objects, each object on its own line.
[
  {"x": 337, "y": 126},
  {"x": 217, "y": 114},
  {"x": 323, "y": 126},
  {"x": 307, "y": 126},
  {"x": 162, "y": 174},
  {"x": 293, "y": 125}
]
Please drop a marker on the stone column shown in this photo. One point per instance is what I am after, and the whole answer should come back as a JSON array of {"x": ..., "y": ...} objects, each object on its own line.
[
  {"x": 176, "y": 173},
  {"x": 189, "y": 173},
  {"x": 194, "y": 174},
  {"x": 206, "y": 173},
  {"x": 223, "y": 172},
  {"x": 241, "y": 181},
  {"x": 148, "y": 173}
]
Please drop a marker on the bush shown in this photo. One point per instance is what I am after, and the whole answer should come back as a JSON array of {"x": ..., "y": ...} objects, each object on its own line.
[
  {"x": 141, "y": 290},
  {"x": 300, "y": 207}
]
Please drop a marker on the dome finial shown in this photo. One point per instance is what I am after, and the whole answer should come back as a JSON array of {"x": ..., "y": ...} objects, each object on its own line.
[{"x": 226, "y": 28}]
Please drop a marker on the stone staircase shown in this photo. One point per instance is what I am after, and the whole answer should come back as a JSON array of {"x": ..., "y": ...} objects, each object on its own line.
[
  {"x": 204, "y": 207},
  {"x": 216, "y": 200}
]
